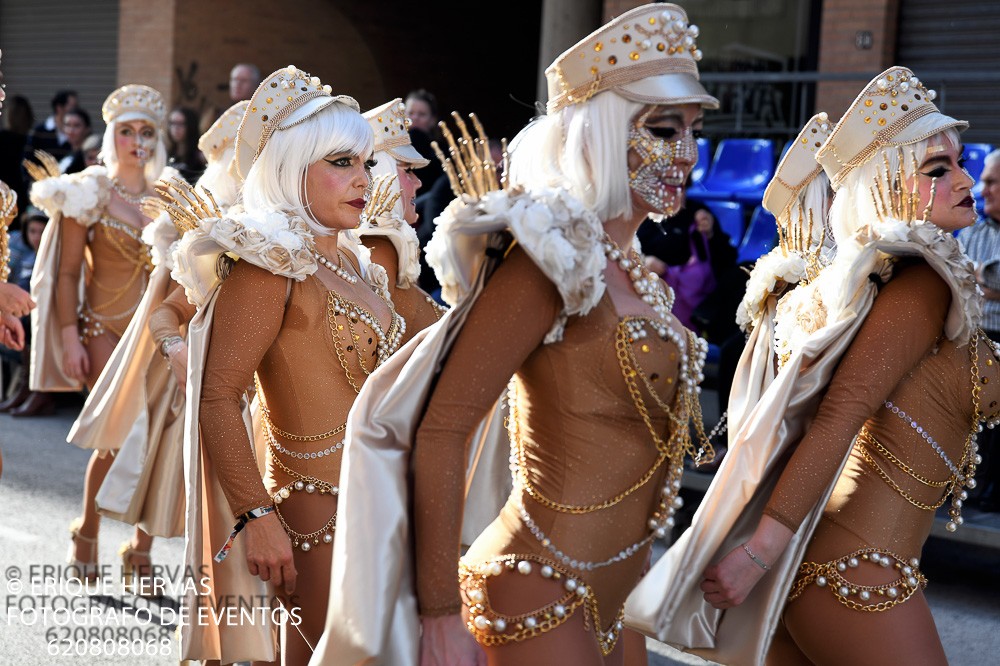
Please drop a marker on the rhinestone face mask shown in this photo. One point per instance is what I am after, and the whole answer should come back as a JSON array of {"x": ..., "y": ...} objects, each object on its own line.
[{"x": 656, "y": 179}]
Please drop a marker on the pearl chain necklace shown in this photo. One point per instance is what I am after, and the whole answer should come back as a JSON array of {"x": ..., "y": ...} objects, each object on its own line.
[
  {"x": 134, "y": 199},
  {"x": 649, "y": 287},
  {"x": 336, "y": 270}
]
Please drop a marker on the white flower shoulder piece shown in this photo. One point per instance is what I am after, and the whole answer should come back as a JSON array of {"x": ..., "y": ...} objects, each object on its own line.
[
  {"x": 161, "y": 236},
  {"x": 279, "y": 243},
  {"x": 769, "y": 276},
  {"x": 558, "y": 232},
  {"x": 82, "y": 196}
]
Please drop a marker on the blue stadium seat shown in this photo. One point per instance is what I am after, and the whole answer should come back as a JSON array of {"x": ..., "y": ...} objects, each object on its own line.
[
  {"x": 730, "y": 216},
  {"x": 975, "y": 154},
  {"x": 740, "y": 171},
  {"x": 704, "y": 161},
  {"x": 761, "y": 237}
]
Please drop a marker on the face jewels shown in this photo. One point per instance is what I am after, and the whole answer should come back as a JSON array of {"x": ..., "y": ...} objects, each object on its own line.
[
  {"x": 147, "y": 146},
  {"x": 657, "y": 181}
]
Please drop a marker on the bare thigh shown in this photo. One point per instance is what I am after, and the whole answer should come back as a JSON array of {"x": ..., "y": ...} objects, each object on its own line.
[
  {"x": 829, "y": 633},
  {"x": 305, "y": 514},
  {"x": 99, "y": 350}
]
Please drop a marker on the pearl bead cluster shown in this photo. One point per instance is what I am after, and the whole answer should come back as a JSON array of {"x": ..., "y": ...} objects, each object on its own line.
[
  {"x": 830, "y": 575},
  {"x": 337, "y": 270},
  {"x": 491, "y": 628},
  {"x": 387, "y": 344},
  {"x": 650, "y": 288},
  {"x": 309, "y": 485}
]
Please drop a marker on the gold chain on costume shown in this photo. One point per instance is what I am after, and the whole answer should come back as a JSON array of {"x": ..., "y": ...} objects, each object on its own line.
[
  {"x": 962, "y": 474},
  {"x": 829, "y": 574},
  {"x": 388, "y": 341},
  {"x": 93, "y": 319},
  {"x": 491, "y": 628}
]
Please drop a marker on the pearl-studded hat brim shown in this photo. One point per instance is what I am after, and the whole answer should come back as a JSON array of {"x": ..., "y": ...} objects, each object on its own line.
[
  {"x": 129, "y": 116},
  {"x": 668, "y": 89}
]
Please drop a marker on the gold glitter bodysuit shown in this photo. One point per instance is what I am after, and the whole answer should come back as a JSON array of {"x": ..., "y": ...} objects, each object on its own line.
[
  {"x": 581, "y": 441},
  {"x": 902, "y": 399},
  {"x": 288, "y": 333},
  {"x": 118, "y": 267}
]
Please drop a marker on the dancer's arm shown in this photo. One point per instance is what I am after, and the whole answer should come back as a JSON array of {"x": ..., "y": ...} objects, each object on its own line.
[
  {"x": 73, "y": 240},
  {"x": 165, "y": 324},
  {"x": 248, "y": 314},
  {"x": 508, "y": 322},
  {"x": 905, "y": 322}
]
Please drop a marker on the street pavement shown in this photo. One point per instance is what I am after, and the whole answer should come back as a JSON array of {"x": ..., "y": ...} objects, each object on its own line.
[{"x": 40, "y": 494}]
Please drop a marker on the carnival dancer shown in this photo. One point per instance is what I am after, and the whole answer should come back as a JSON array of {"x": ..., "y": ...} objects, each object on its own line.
[
  {"x": 799, "y": 198},
  {"x": 139, "y": 397},
  {"x": 604, "y": 379},
  {"x": 884, "y": 381},
  {"x": 84, "y": 306},
  {"x": 388, "y": 224},
  {"x": 304, "y": 313}
]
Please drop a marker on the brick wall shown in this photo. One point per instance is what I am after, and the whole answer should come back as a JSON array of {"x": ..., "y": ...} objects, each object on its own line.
[
  {"x": 841, "y": 22},
  {"x": 211, "y": 37},
  {"x": 146, "y": 43}
]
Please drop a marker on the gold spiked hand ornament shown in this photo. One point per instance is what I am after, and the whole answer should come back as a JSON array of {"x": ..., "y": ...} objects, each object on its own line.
[
  {"x": 468, "y": 165},
  {"x": 184, "y": 204},
  {"x": 380, "y": 200},
  {"x": 44, "y": 166}
]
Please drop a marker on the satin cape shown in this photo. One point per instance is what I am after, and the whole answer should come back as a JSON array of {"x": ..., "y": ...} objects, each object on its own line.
[{"x": 46, "y": 337}]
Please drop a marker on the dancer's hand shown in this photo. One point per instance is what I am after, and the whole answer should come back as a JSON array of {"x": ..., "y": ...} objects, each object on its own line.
[
  {"x": 269, "y": 552},
  {"x": 727, "y": 583},
  {"x": 11, "y": 332},
  {"x": 75, "y": 362},
  {"x": 14, "y": 300},
  {"x": 445, "y": 641},
  {"x": 177, "y": 354}
]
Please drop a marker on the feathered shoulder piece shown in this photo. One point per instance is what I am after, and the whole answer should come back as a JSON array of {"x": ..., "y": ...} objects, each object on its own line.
[
  {"x": 378, "y": 219},
  {"x": 560, "y": 234},
  {"x": 275, "y": 241},
  {"x": 82, "y": 196}
]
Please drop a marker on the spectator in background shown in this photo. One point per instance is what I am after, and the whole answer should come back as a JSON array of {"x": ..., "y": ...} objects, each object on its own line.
[
  {"x": 91, "y": 150},
  {"x": 76, "y": 129},
  {"x": 982, "y": 243},
  {"x": 23, "y": 248},
  {"x": 692, "y": 253},
  {"x": 243, "y": 81},
  {"x": 17, "y": 121},
  {"x": 182, "y": 144},
  {"x": 422, "y": 110},
  {"x": 49, "y": 136}
]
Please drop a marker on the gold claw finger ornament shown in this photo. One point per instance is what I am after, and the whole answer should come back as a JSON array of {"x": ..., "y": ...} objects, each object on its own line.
[
  {"x": 183, "y": 203},
  {"x": 44, "y": 166},
  {"x": 381, "y": 200},
  {"x": 468, "y": 165}
]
